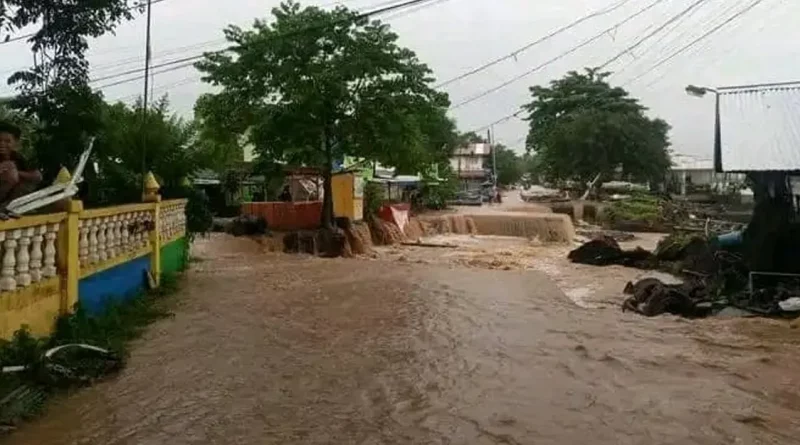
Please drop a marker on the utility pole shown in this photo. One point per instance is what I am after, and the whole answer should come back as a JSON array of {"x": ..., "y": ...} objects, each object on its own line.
[
  {"x": 146, "y": 94},
  {"x": 494, "y": 155}
]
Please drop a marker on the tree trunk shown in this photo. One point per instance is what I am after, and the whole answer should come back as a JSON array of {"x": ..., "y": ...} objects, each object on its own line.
[{"x": 326, "y": 218}]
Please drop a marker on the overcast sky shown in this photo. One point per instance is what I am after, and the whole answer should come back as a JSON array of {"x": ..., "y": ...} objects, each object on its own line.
[{"x": 454, "y": 36}]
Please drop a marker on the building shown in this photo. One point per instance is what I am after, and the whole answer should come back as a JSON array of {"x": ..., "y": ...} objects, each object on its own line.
[
  {"x": 689, "y": 174},
  {"x": 470, "y": 165},
  {"x": 757, "y": 133}
]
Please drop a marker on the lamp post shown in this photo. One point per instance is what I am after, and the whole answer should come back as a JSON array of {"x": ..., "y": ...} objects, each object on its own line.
[{"x": 698, "y": 91}]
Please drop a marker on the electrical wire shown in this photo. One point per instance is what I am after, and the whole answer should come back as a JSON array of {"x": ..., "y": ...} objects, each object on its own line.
[
  {"x": 640, "y": 41},
  {"x": 703, "y": 36},
  {"x": 10, "y": 39},
  {"x": 729, "y": 44},
  {"x": 558, "y": 57},
  {"x": 515, "y": 53},
  {"x": 648, "y": 50},
  {"x": 184, "y": 62}
]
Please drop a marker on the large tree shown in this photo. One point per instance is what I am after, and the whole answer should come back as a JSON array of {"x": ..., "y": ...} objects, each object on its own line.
[
  {"x": 55, "y": 89},
  {"x": 582, "y": 129},
  {"x": 314, "y": 85}
]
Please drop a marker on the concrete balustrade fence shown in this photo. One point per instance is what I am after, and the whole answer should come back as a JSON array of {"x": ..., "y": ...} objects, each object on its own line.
[{"x": 50, "y": 262}]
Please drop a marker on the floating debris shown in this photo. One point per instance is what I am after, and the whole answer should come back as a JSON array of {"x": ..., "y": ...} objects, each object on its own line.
[{"x": 604, "y": 251}]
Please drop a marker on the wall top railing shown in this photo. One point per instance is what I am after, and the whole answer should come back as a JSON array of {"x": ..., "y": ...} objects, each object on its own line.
[
  {"x": 81, "y": 242},
  {"x": 33, "y": 220},
  {"x": 116, "y": 210}
]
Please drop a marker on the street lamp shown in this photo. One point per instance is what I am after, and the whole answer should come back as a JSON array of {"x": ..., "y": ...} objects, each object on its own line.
[{"x": 696, "y": 91}]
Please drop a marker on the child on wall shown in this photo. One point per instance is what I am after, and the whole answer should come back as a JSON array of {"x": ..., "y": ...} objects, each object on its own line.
[{"x": 17, "y": 176}]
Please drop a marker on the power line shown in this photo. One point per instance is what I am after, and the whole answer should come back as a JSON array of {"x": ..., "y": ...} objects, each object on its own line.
[
  {"x": 184, "y": 62},
  {"x": 724, "y": 47},
  {"x": 543, "y": 39},
  {"x": 558, "y": 57},
  {"x": 10, "y": 39},
  {"x": 649, "y": 48},
  {"x": 498, "y": 121},
  {"x": 706, "y": 34},
  {"x": 636, "y": 44}
]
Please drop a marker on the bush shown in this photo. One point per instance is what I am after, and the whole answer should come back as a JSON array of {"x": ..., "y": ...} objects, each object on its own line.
[
  {"x": 435, "y": 195},
  {"x": 640, "y": 207},
  {"x": 374, "y": 195}
]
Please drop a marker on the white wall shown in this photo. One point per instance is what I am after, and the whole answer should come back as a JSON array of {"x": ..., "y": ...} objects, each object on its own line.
[{"x": 466, "y": 163}]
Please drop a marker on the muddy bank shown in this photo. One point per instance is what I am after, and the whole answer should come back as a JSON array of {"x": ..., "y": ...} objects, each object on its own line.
[{"x": 271, "y": 348}]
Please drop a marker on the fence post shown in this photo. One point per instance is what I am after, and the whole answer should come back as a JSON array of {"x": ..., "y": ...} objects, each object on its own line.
[
  {"x": 68, "y": 258},
  {"x": 151, "y": 187}
]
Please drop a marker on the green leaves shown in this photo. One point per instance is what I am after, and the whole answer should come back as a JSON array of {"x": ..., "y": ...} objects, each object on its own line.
[
  {"x": 311, "y": 72},
  {"x": 581, "y": 126},
  {"x": 510, "y": 167},
  {"x": 312, "y": 86}
]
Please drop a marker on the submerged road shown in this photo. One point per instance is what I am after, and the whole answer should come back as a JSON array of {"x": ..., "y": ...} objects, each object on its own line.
[{"x": 274, "y": 349}]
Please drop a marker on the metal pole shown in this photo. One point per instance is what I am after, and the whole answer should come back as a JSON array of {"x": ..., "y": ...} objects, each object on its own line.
[
  {"x": 494, "y": 156},
  {"x": 145, "y": 96}
]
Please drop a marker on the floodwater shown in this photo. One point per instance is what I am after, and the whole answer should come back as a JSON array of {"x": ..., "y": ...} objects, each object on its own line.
[{"x": 272, "y": 349}]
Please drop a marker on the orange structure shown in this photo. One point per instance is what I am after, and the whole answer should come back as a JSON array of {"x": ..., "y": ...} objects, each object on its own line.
[{"x": 286, "y": 215}]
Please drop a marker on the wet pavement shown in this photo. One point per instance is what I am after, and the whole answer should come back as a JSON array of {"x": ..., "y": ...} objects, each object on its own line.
[{"x": 272, "y": 349}]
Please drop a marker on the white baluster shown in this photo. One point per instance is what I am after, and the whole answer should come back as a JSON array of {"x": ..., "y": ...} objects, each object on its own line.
[
  {"x": 111, "y": 240},
  {"x": 136, "y": 239},
  {"x": 94, "y": 255},
  {"x": 49, "y": 269},
  {"x": 118, "y": 246},
  {"x": 36, "y": 253},
  {"x": 7, "y": 281},
  {"x": 83, "y": 242},
  {"x": 23, "y": 256},
  {"x": 125, "y": 236},
  {"x": 102, "y": 254}
]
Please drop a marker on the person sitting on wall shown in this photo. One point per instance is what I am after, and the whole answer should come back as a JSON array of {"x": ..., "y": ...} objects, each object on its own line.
[{"x": 17, "y": 176}]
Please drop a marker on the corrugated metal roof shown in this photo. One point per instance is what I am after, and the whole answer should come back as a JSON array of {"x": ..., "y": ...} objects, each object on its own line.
[{"x": 758, "y": 130}]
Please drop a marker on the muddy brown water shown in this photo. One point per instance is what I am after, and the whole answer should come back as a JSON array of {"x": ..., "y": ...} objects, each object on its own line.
[{"x": 274, "y": 349}]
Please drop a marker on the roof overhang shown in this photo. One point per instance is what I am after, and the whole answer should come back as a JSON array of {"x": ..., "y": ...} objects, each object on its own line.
[{"x": 757, "y": 129}]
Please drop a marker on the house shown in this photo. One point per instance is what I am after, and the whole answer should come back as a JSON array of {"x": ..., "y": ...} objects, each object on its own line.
[
  {"x": 470, "y": 165},
  {"x": 689, "y": 174}
]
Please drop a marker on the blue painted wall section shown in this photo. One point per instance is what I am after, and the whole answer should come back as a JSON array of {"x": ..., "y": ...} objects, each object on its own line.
[{"x": 118, "y": 283}]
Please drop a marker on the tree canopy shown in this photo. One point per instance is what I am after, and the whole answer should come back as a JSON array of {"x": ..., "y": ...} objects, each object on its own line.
[
  {"x": 509, "y": 165},
  {"x": 314, "y": 85},
  {"x": 581, "y": 127},
  {"x": 55, "y": 91}
]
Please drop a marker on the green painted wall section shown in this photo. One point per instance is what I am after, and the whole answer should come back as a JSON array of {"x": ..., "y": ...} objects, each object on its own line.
[{"x": 174, "y": 256}]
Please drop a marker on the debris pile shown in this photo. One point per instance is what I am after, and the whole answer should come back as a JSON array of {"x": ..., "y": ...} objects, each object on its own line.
[
  {"x": 24, "y": 387},
  {"x": 714, "y": 279},
  {"x": 646, "y": 212},
  {"x": 537, "y": 193},
  {"x": 651, "y": 297},
  {"x": 605, "y": 251}
]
